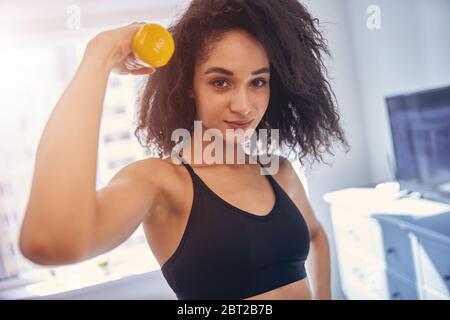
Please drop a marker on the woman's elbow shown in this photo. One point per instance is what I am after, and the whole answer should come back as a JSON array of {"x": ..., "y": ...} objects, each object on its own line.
[{"x": 44, "y": 251}]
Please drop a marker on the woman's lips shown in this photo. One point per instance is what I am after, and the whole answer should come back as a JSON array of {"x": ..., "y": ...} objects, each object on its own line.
[{"x": 239, "y": 125}]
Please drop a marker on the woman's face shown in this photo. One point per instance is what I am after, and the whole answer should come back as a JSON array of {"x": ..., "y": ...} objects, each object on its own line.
[{"x": 232, "y": 85}]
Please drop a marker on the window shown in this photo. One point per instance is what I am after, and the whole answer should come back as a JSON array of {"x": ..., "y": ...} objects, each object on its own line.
[{"x": 34, "y": 77}]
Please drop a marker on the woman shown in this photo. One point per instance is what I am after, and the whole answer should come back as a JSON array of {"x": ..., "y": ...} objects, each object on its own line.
[{"x": 220, "y": 230}]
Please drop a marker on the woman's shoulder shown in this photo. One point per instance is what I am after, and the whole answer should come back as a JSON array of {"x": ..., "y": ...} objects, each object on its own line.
[
  {"x": 159, "y": 174},
  {"x": 158, "y": 170},
  {"x": 150, "y": 167},
  {"x": 164, "y": 176}
]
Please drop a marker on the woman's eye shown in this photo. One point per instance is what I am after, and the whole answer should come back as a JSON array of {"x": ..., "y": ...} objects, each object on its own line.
[
  {"x": 218, "y": 82},
  {"x": 262, "y": 82},
  {"x": 258, "y": 83}
]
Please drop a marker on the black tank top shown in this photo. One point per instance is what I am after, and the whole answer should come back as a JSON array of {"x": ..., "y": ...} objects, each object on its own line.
[{"x": 229, "y": 253}]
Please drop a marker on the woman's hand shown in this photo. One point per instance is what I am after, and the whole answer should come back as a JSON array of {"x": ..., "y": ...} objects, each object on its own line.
[{"x": 112, "y": 48}]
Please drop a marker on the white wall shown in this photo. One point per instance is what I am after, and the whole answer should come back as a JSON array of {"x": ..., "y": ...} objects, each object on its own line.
[{"x": 410, "y": 52}]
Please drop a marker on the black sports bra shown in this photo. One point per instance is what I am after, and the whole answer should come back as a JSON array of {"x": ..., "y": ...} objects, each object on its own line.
[{"x": 229, "y": 253}]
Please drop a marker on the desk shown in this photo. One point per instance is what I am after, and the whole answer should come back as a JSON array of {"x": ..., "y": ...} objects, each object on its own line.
[{"x": 390, "y": 248}]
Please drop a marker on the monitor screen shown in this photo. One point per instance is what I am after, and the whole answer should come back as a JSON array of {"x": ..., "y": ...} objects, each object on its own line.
[{"x": 420, "y": 129}]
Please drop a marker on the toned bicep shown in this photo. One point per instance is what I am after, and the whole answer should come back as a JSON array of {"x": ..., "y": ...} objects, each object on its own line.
[{"x": 122, "y": 205}]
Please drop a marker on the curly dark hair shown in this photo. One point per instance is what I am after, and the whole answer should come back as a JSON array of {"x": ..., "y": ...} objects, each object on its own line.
[{"x": 302, "y": 103}]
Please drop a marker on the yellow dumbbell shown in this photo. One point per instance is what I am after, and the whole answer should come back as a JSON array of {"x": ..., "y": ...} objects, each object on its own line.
[{"x": 152, "y": 45}]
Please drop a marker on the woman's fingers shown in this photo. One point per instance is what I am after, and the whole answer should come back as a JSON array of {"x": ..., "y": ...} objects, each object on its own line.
[
  {"x": 122, "y": 69},
  {"x": 143, "y": 71}
]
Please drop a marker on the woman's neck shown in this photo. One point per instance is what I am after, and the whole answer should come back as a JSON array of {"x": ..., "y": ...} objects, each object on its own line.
[{"x": 205, "y": 153}]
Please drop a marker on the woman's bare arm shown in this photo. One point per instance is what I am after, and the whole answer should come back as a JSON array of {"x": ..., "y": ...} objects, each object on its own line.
[
  {"x": 319, "y": 258},
  {"x": 62, "y": 219}
]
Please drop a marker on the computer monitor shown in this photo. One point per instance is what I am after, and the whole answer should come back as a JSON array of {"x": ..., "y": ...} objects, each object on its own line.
[{"x": 420, "y": 131}]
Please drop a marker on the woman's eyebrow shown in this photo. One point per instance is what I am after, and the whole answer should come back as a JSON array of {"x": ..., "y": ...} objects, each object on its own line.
[{"x": 230, "y": 73}]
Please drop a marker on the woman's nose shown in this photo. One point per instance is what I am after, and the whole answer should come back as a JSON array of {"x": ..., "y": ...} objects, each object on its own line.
[{"x": 241, "y": 103}]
